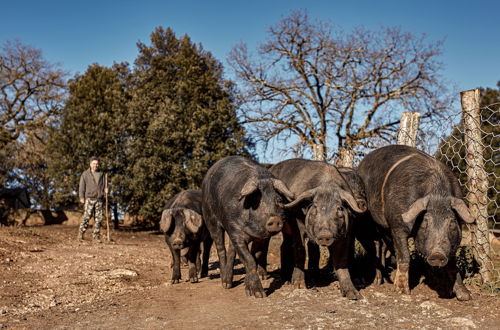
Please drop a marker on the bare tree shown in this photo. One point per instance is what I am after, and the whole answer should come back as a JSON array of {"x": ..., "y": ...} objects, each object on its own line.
[
  {"x": 320, "y": 87},
  {"x": 31, "y": 93},
  {"x": 31, "y": 90}
]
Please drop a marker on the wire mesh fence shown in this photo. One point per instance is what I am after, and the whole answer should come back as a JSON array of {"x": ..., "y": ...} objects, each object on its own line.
[
  {"x": 468, "y": 142},
  {"x": 472, "y": 151}
]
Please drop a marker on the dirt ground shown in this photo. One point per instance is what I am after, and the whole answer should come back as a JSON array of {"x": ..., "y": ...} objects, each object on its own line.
[{"x": 50, "y": 281}]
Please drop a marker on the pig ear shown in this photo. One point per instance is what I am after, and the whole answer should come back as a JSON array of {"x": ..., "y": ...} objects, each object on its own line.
[
  {"x": 192, "y": 220},
  {"x": 281, "y": 187},
  {"x": 166, "y": 220},
  {"x": 308, "y": 194},
  {"x": 347, "y": 197},
  {"x": 250, "y": 187},
  {"x": 415, "y": 209},
  {"x": 459, "y": 206}
]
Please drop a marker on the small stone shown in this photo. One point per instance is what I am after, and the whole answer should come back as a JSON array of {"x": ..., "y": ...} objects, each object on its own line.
[
  {"x": 462, "y": 322},
  {"x": 428, "y": 305}
]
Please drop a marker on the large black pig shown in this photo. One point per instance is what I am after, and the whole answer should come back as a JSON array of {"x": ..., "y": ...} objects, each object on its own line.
[
  {"x": 365, "y": 229},
  {"x": 245, "y": 200},
  {"x": 184, "y": 228},
  {"x": 321, "y": 213},
  {"x": 411, "y": 194}
]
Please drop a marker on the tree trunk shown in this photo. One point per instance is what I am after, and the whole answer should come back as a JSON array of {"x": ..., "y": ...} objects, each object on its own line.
[
  {"x": 319, "y": 152},
  {"x": 115, "y": 216}
]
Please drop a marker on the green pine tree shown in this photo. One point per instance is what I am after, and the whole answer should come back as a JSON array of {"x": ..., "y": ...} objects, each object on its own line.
[
  {"x": 182, "y": 119},
  {"x": 92, "y": 123}
]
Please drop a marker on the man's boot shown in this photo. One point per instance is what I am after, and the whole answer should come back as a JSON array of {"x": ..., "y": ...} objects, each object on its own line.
[{"x": 97, "y": 239}]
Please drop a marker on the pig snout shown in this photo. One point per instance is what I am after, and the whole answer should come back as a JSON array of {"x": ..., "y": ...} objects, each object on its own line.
[
  {"x": 274, "y": 224},
  {"x": 437, "y": 259},
  {"x": 324, "y": 238},
  {"x": 178, "y": 244}
]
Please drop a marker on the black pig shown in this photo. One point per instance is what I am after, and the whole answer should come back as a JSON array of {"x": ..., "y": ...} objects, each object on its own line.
[
  {"x": 184, "y": 228},
  {"x": 321, "y": 213},
  {"x": 365, "y": 229},
  {"x": 245, "y": 200},
  {"x": 411, "y": 194}
]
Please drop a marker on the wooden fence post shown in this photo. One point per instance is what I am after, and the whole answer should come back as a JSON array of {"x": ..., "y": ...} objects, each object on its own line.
[
  {"x": 477, "y": 182},
  {"x": 319, "y": 152},
  {"x": 346, "y": 157},
  {"x": 408, "y": 128}
]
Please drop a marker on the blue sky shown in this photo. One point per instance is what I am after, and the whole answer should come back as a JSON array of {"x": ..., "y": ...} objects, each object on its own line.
[{"x": 79, "y": 33}]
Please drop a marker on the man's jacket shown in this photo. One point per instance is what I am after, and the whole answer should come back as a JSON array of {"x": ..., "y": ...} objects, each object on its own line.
[{"x": 89, "y": 188}]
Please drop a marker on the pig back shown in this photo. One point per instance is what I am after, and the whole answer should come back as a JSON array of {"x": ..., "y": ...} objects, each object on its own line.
[
  {"x": 223, "y": 182},
  {"x": 189, "y": 199},
  {"x": 392, "y": 177},
  {"x": 300, "y": 174}
]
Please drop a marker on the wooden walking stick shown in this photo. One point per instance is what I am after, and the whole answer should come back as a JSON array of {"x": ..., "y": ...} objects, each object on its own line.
[{"x": 106, "y": 207}]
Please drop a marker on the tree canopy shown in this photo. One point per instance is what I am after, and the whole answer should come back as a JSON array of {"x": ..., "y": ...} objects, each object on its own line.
[
  {"x": 32, "y": 92},
  {"x": 92, "y": 123},
  {"x": 182, "y": 119},
  {"x": 314, "y": 86},
  {"x": 156, "y": 128}
]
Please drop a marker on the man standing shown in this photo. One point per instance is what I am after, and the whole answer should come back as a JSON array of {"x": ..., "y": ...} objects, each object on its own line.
[{"x": 91, "y": 193}]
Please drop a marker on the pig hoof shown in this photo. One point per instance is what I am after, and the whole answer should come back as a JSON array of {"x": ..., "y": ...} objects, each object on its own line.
[
  {"x": 401, "y": 279},
  {"x": 256, "y": 292},
  {"x": 353, "y": 295},
  {"x": 463, "y": 294},
  {"x": 176, "y": 281},
  {"x": 300, "y": 284},
  {"x": 253, "y": 286},
  {"x": 193, "y": 279},
  {"x": 401, "y": 285},
  {"x": 404, "y": 289},
  {"x": 227, "y": 285},
  {"x": 378, "y": 278}
]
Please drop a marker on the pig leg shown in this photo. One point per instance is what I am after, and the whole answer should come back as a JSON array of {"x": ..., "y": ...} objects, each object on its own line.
[
  {"x": 299, "y": 255},
  {"x": 198, "y": 259},
  {"x": 207, "y": 245},
  {"x": 259, "y": 250},
  {"x": 459, "y": 289},
  {"x": 176, "y": 264},
  {"x": 379, "y": 262},
  {"x": 286, "y": 254},
  {"x": 371, "y": 244},
  {"x": 193, "y": 259},
  {"x": 218, "y": 236},
  {"x": 313, "y": 254},
  {"x": 227, "y": 275},
  {"x": 253, "y": 286},
  {"x": 184, "y": 261},
  {"x": 401, "y": 280},
  {"x": 340, "y": 252}
]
